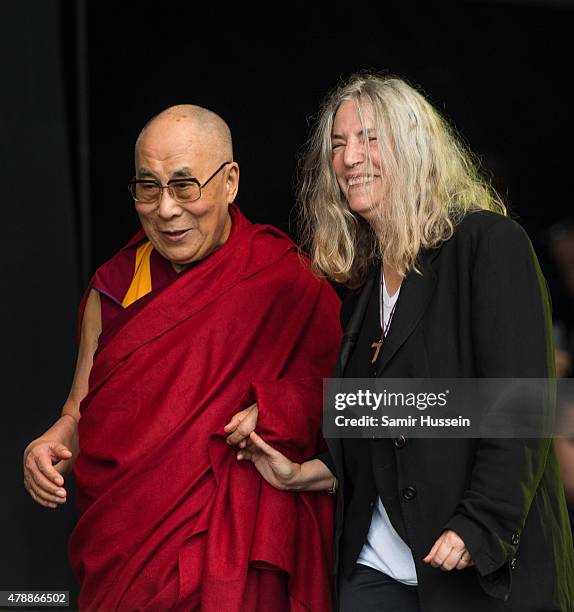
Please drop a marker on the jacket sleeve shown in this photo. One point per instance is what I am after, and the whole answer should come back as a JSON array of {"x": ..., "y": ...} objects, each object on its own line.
[{"x": 511, "y": 322}]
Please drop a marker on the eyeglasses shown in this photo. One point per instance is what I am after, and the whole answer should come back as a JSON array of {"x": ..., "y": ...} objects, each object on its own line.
[{"x": 183, "y": 190}]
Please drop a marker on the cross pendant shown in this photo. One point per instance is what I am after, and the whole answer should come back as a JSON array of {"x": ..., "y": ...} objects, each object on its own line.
[{"x": 377, "y": 346}]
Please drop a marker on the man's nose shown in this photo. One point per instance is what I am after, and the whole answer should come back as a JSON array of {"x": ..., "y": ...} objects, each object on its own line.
[
  {"x": 354, "y": 153},
  {"x": 167, "y": 207}
]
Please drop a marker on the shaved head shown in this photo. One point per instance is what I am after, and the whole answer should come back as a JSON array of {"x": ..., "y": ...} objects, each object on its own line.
[
  {"x": 212, "y": 129},
  {"x": 181, "y": 146}
]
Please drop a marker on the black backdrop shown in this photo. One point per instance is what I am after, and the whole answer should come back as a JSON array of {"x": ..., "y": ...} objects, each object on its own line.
[{"x": 499, "y": 71}]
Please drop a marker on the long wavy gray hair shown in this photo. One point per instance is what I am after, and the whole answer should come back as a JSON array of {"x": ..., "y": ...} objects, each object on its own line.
[{"x": 431, "y": 181}]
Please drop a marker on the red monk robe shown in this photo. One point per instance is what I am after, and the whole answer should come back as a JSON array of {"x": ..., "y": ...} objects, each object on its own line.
[{"x": 169, "y": 519}]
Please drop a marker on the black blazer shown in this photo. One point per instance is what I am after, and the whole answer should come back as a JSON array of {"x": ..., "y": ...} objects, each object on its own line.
[{"x": 480, "y": 308}]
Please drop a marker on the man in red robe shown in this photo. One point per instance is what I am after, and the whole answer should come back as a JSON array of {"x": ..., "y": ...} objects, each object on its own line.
[{"x": 201, "y": 327}]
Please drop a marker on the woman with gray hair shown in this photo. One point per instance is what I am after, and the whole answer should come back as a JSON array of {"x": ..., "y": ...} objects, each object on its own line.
[{"x": 444, "y": 285}]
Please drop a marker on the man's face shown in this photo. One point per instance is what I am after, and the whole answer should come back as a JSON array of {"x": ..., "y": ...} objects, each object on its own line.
[
  {"x": 361, "y": 184},
  {"x": 185, "y": 233}
]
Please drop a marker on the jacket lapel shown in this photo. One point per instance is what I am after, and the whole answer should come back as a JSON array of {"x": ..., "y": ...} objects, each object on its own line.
[
  {"x": 354, "y": 325},
  {"x": 415, "y": 295}
]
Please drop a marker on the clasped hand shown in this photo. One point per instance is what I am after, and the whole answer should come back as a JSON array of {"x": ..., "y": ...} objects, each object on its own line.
[
  {"x": 275, "y": 468},
  {"x": 241, "y": 425}
]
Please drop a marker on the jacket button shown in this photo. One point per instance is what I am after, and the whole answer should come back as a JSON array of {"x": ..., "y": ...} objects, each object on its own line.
[
  {"x": 400, "y": 441},
  {"x": 409, "y": 493},
  {"x": 515, "y": 538},
  {"x": 513, "y": 563}
]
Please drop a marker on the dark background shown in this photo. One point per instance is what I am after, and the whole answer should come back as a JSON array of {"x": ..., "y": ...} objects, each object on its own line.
[{"x": 80, "y": 79}]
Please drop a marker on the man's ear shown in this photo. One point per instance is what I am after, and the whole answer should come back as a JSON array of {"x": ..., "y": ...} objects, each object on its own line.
[{"x": 232, "y": 182}]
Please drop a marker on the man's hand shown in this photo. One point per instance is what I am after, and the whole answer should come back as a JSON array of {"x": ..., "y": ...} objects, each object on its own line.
[
  {"x": 449, "y": 552},
  {"x": 279, "y": 471},
  {"x": 241, "y": 425},
  {"x": 51, "y": 455},
  {"x": 44, "y": 463}
]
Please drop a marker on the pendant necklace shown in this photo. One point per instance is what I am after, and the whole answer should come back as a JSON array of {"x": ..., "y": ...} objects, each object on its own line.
[{"x": 377, "y": 344}]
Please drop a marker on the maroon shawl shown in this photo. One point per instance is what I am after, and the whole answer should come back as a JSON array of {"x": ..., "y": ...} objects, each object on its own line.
[{"x": 169, "y": 520}]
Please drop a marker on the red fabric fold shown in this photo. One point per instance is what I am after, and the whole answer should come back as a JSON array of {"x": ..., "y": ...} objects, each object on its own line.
[{"x": 169, "y": 520}]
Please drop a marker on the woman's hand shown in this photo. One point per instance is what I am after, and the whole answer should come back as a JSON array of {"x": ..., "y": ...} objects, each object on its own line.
[
  {"x": 284, "y": 474},
  {"x": 449, "y": 552},
  {"x": 275, "y": 468}
]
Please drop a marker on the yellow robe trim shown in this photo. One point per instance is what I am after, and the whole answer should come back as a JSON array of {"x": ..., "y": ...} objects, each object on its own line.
[{"x": 141, "y": 281}]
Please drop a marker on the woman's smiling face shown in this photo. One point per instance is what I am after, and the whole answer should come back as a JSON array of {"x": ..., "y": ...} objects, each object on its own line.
[{"x": 360, "y": 181}]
